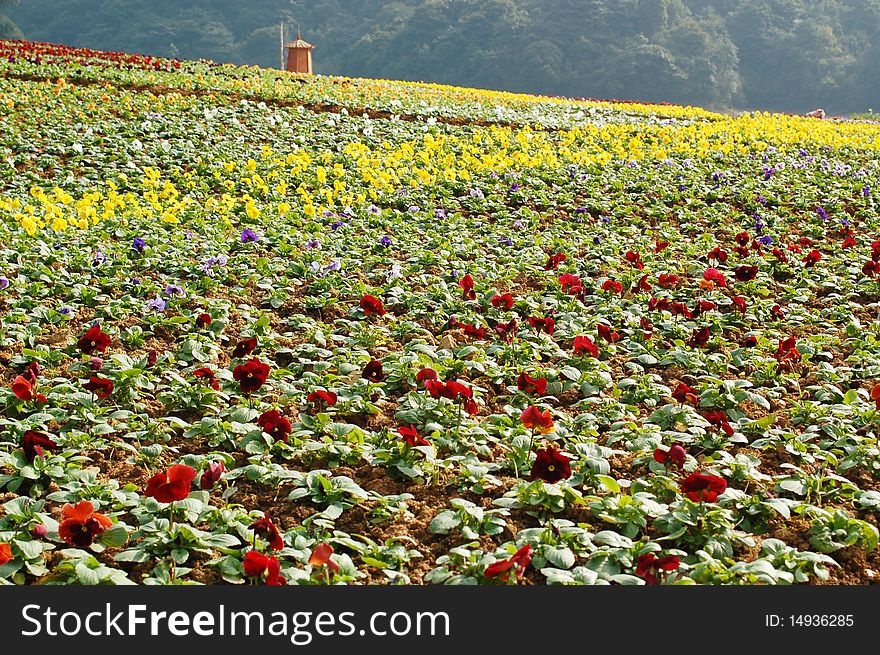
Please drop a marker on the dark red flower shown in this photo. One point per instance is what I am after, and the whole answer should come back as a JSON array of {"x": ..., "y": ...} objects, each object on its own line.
[
  {"x": 848, "y": 242},
  {"x": 777, "y": 312},
  {"x": 152, "y": 357},
  {"x": 570, "y": 284},
  {"x": 80, "y": 524},
  {"x": 745, "y": 272},
  {"x": 534, "y": 419},
  {"x": 554, "y": 261},
  {"x": 438, "y": 389},
  {"x": 318, "y": 397},
  {"x": 207, "y": 375},
  {"x": 5, "y": 553},
  {"x": 35, "y": 443},
  {"x": 502, "y": 302},
  {"x": 244, "y": 347},
  {"x": 373, "y": 371},
  {"x": 426, "y": 374},
  {"x": 685, "y": 394},
  {"x": 612, "y": 285},
  {"x": 32, "y": 372},
  {"x": 743, "y": 238},
  {"x": 871, "y": 268},
  {"x": 550, "y": 466},
  {"x": 583, "y": 345},
  {"x": 372, "y": 305},
  {"x": 275, "y": 425},
  {"x": 23, "y": 389},
  {"x": 467, "y": 287},
  {"x": 719, "y": 418},
  {"x": 506, "y": 331},
  {"x": 787, "y": 354},
  {"x": 635, "y": 259},
  {"x": 251, "y": 375},
  {"x": 265, "y": 528},
  {"x": 93, "y": 340},
  {"x": 267, "y": 567},
  {"x": 668, "y": 280},
  {"x": 699, "y": 337},
  {"x": 718, "y": 254},
  {"x": 101, "y": 387},
  {"x": 780, "y": 255},
  {"x": 545, "y": 324},
  {"x": 204, "y": 320},
  {"x": 518, "y": 562},
  {"x": 875, "y": 396},
  {"x": 812, "y": 258},
  {"x": 606, "y": 333},
  {"x": 701, "y": 487},
  {"x": 648, "y": 566},
  {"x": 473, "y": 330},
  {"x": 172, "y": 484},
  {"x": 660, "y": 246},
  {"x": 212, "y": 475},
  {"x": 411, "y": 436},
  {"x": 321, "y": 557},
  {"x": 643, "y": 284},
  {"x": 459, "y": 390},
  {"x": 676, "y": 454},
  {"x": 739, "y": 303},
  {"x": 530, "y": 385},
  {"x": 750, "y": 342}
]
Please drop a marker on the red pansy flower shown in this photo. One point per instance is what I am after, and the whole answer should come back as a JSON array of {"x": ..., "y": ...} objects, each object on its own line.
[
  {"x": 172, "y": 484},
  {"x": 426, "y": 374},
  {"x": 212, "y": 475},
  {"x": 321, "y": 557},
  {"x": 502, "y": 302},
  {"x": 534, "y": 419},
  {"x": 244, "y": 347},
  {"x": 701, "y": 487},
  {"x": 739, "y": 303},
  {"x": 467, "y": 287},
  {"x": 668, "y": 280},
  {"x": 583, "y": 345},
  {"x": 643, "y": 284},
  {"x": 101, "y": 387},
  {"x": 545, "y": 324},
  {"x": 555, "y": 260},
  {"x": 699, "y": 337},
  {"x": 875, "y": 396},
  {"x": 94, "y": 339},
  {"x": 506, "y": 331},
  {"x": 80, "y": 524},
  {"x": 5, "y": 553},
  {"x": 612, "y": 285},
  {"x": 518, "y": 562},
  {"x": 743, "y": 238},
  {"x": 571, "y": 284},
  {"x": 35, "y": 443},
  {"x": 676, "y": 454},
  {"x": 267, "y": 567},
  {"x": 251, "y": 375},
  {"x": 319, "y": 396},
  {"x": 23, "y": 389},
  {"x": 207, "y": 376},
  {"x": 203, "y": 320},
  {"x": 265, "y": 528},
  {"x": 745, "y": 272},
  {"x": 606, "y": 333},
  {"x": 685, "y": 394},
  {"x": 848, "y": 242},
  {"x": 660, "y": 246},
  {"x": 373, "y": 371},
  {"x": 550, "y": 466},
  {"x": 812, "y": 258},
  {"x": 718, "y": 254},
  {"x": 32, "y": 372},
  {"x": 648, "y": 566},
  {"x": 372, "y": 305},
  {"x": 411, "y": 436},
  {"x": 530, "y": 385},
  {"x": 719, "y": 419},
  {"x": 635, "y": 259},
  {"x": 275, "y": 425}
]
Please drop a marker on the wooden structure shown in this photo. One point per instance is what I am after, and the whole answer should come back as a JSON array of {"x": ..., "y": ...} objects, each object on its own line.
[{"x": 299, "y": 56}]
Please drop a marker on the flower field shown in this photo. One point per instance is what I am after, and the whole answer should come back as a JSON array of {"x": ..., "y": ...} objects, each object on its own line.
[{"x": 258, "y": 328}]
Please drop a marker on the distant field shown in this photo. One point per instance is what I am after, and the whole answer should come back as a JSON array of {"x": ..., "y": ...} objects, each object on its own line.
[{"x": 260, "y": 328}]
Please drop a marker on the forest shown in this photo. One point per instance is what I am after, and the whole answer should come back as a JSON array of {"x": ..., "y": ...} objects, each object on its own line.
[{"x": 779, "y": 55}]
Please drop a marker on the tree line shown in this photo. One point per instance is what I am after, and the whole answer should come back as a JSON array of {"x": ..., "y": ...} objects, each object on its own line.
[{"x": 781, "y": 55}]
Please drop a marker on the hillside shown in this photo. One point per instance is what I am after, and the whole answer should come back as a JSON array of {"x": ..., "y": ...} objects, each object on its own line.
[
  {"x": 274, "y": 329},
  {"x": 782, "y": 55}
]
